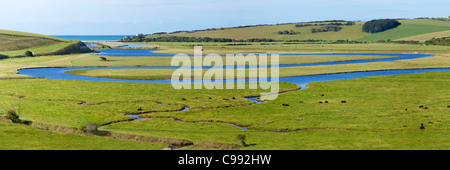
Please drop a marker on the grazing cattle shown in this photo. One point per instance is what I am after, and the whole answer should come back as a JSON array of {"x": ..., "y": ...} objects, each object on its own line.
[
  {"x": 406, "y": 109},
  {"x": 140, "y": 109},
  {"x": 448, "y": 106},
  {"x": 301, "y": 102},
  {"x": 210, "y": 98},
  {"x": 438, "y": 121},
  {"x": 422, "y": 127},
  {"x": 285, "y": 104},
  {"x": 425, "y": 108},
  {"x": 322, "y": 95},
  {"x": 421, "y": 106},
  {"x": 405, "y": 126},
  {"x": 183, "y": 99},
  {"x": 326, "y": 101},
  {"x": 226, "y": 99},
  {"x": 320, "y": 102},
  {"x": 234, "y": 98},
  {"x": 430, "y": 123},
  {"x": 343, "y": 101},
  {"x": 196, "y": 97}
]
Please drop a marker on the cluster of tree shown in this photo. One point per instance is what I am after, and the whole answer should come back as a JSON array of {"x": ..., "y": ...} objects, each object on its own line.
[
  {"x": 159, "y": 33},
  {"x": 235, "y": 44},
  {"x": 286, "y": 32},
  {"x": 445, "y": 41},
  {"x": 308, "y": 40},
  {"x": 347, "y": 42},
  {"x": 349, "y": 23},
  {"x": 324, "y": 42},
  {"x": 439, "y": 41},
  {"x": 439, "y": 19},
  {"x": 330, "y": 21},
  {"x": 261, "y": 40},
  {"x": 399, "y": 41},
  {"x": 326, "y": 29},
  {"x": 380, "y": 25}
]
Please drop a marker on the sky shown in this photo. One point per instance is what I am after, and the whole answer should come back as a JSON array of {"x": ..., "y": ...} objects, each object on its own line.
[{"x": 129, "y": 17}]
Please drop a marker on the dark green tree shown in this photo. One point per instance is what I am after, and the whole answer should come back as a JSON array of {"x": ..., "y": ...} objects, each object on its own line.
[
  {"x": 380, "y": 25},
  {"x": 29, "y": 54}
]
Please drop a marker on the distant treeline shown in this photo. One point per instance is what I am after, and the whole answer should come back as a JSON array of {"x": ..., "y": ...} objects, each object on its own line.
[
  {"x": 439, "y": 41},
  {"x": 380, "y": 25},
  {"x": 399, "y": 41},
  {"x": 191, "y": 39},
  {"x": 208, "y": 39},
  {"x": 445, "y": 41},
  {"x": 348, "y": 23},
  {"x": 439, "y": 19},
  {"x": 323, "y": 42},
  {"x": 326, "y": 29}
]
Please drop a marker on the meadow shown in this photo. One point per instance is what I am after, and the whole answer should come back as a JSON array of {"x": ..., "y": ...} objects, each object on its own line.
[
  {"x": 381, "y": 112},
  {"x": 357, "y": 124},
  {"x": 23, "y": 137}
]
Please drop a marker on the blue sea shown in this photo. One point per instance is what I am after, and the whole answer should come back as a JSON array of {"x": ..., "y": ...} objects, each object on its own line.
[{"x": 92, "y": 37}]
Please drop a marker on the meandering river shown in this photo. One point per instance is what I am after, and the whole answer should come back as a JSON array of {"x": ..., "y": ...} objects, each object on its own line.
[
  {"x": 60, "y": 73},
  {"x": 302, "y": 81}
]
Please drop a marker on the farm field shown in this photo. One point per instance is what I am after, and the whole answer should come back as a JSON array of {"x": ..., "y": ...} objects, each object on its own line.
[{"x": 409, "y": 27}]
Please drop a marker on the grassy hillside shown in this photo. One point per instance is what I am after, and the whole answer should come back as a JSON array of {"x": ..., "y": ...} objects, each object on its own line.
[
  {"x": 19, "y": 33},
  {"x": 271, "y": 31},
  {"x": 15, "y": 43},
  {"x": 14, "y": 40},
  {"x": 412, "y": 27}
]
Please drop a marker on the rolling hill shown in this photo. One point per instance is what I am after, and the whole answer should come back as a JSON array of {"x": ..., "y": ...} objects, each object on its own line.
[
  {"x": 15, "y": 43},
  {"x": 410, "y": 29}
]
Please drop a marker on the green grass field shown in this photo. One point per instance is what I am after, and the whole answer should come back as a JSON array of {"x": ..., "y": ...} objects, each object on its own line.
[
  {"x": 380, "y": 113},
  {"x": 22, "y": 137},
  {"x": 373, "y": 118}
]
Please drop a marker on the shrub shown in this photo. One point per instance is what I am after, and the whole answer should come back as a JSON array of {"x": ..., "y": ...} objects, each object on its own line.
[
  {"x": 13, "y": 116},
  {"x": 91, "y": 128},
  {"x": 445, "y": 41},
  {"x": 29, "y": 54},
  {"x": 241, "y": 139}
]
